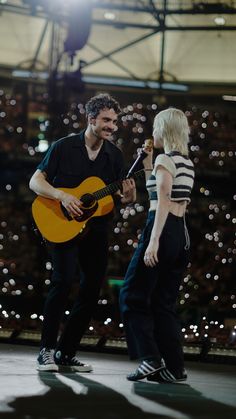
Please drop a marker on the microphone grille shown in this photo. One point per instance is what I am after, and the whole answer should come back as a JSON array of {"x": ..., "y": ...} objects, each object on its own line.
[{"x": 148, "y": 144}]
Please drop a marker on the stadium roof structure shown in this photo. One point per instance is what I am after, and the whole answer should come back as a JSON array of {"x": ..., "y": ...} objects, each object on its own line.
[{"x": 143, "y": 41}]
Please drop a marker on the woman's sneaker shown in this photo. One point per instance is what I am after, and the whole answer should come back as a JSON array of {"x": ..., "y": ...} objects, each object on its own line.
[
  {"x": 165, "y": 376},
  {"x": 45, "y": 360},
  {"x": 146, "y": 368},
  {"x": 67, "y": 363}
]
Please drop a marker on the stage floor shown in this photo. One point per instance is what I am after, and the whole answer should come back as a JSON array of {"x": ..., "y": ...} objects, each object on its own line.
[{"x": 106, "y": 394}]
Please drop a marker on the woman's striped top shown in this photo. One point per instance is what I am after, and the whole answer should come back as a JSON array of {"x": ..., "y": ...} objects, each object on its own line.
[{"x": 182, "y": 170}]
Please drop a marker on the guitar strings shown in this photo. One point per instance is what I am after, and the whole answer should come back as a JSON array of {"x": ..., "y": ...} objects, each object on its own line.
[{"x": 101, "y": 193}]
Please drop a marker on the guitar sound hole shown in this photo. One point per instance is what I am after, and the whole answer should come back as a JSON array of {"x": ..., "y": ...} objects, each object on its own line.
[
  {"x": 88, "y": 200},
  {"x": 89, "y": 206}
]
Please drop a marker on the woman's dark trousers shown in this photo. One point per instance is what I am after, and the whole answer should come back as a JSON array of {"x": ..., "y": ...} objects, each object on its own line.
[{"x": 148, "y": 296}]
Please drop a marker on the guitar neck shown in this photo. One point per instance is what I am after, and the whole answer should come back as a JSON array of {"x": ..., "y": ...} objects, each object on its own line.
[{"x": 114, "y": 187}]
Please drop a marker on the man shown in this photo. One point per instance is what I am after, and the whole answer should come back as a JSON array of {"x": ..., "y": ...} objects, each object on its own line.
[{"x": 68, "y": 162}]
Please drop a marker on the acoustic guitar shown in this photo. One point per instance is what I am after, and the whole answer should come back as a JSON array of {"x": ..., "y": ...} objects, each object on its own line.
[{"x": 54, "y": 222}]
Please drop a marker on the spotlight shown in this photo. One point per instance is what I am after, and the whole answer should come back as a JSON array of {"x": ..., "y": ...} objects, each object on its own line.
[{"x": 219, "y": 20}]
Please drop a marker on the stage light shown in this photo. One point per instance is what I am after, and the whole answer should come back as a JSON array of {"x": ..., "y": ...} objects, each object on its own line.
[
  {"x": 219, "y": 20},
  {"x": 109, "y": 16},
  {"x": 230, "y": 98},
  {"x": 79, "y": 20}
]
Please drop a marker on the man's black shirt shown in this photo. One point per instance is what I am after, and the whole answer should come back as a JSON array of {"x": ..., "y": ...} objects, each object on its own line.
[{"x": 67, "y": 164}]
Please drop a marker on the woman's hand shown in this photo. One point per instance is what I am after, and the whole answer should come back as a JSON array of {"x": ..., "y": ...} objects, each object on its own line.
[
  {"x": 147, "y": 162},
  {"x": 150, "y": 256}
]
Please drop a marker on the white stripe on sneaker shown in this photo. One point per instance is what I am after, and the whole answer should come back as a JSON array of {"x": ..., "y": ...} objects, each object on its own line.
[
  {"x": 171, "y": 376},
  {"x": 143, "y": 370},
  {"x": 151, "y": 369},
  {"x": 165, "y": 376}
]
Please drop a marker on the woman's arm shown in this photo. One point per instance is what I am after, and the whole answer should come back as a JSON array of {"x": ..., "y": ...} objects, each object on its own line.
[
  {"x": 147, "y": 162},
  {"x": 164, "y": 187}
]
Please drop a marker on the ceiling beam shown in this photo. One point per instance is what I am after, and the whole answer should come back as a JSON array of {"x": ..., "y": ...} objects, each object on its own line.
[
  {"x": 26, "y": 10},
  {"x": 163, "y": 44},
  {"x": 110, "y": 58},
  {"x": 35, "y": 58},
  {"x": 119, "y": 49},
  {"x": 123, "y": 25},
  {"x": 198, "y": 9}
]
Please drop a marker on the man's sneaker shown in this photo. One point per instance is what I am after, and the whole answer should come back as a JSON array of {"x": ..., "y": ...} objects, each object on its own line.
[
  {"x": 165, "y": 376},
  {"x": 146, "y": 368},
  {"x": 67, "y": 363},
  {"x": 45, "y": 360}
]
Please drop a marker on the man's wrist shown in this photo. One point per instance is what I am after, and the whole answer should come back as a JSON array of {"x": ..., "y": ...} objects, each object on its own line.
[
  {"x": 127, "y": 199},
  {"x": 58, "y": 194}
]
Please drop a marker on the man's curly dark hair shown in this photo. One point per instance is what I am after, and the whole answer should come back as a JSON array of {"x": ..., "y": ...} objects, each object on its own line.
[{"x": 99, "y": 102}]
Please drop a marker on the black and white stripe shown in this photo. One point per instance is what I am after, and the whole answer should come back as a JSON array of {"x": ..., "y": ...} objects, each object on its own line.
[
  {"x": 145, "y": 368},
  {"x": 182, "y": 181},
  {"x": 166, "y": 375}
]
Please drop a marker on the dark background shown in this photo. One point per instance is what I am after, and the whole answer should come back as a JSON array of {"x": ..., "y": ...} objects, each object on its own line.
[{"x": 31, "y": 119}]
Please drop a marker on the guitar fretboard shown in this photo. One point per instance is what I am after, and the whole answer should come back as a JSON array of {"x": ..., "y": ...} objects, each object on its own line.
[{"x": 114, "y": 187}]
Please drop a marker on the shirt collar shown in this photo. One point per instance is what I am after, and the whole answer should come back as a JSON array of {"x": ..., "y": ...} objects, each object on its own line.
[
  {"x": 78, "y": 139},
  {"x": 176, "y": 153},
  {"x": 79, "y": 142}
]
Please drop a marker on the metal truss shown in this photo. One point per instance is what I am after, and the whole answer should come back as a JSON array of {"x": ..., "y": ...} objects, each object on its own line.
[
  {"x": 142, "y": 6},
  {"x": 158, "y": 9},
  {"x": 186, "y": 7}
]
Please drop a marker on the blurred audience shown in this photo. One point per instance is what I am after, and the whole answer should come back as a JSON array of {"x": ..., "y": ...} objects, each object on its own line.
[{"x": 208, "y": 298}]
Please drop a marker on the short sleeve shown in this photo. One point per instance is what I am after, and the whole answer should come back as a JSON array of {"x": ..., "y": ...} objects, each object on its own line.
[
  {"x": 166, "y": 162},
  {"x": 49, "y": 164}
]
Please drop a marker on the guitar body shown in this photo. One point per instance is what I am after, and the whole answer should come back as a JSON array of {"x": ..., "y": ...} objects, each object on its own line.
[{"x": 53, "y": 222}]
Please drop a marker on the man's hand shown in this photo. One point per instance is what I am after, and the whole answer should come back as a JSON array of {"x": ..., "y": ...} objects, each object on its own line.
[
  {"x": 129, "y": 191},
  {"x": 71, "y": 204}
]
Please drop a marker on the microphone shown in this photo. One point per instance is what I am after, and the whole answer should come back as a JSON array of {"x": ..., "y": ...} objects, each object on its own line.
[{"x": 148, "y": 145}]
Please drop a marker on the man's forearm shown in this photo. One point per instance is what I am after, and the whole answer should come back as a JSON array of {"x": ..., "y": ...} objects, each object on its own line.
[{"x": 41, "y": 187}]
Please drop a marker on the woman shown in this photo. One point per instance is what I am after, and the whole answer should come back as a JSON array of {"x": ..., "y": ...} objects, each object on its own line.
[{"x": 153, "y": 278}]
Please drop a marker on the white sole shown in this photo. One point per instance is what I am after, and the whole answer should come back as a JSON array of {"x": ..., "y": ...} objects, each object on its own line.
[
  {"x": 88, "y": 368},
  {"x": 47, "y": 368}
]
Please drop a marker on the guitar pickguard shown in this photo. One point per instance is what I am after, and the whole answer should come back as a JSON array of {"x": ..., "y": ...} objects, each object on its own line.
[
  {"x": 89, "y": 207},
  {"x": 87, "y": 213}
]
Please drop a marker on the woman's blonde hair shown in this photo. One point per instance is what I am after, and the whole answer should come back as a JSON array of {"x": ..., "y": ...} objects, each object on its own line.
[{"x": 172, "y": 129}]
